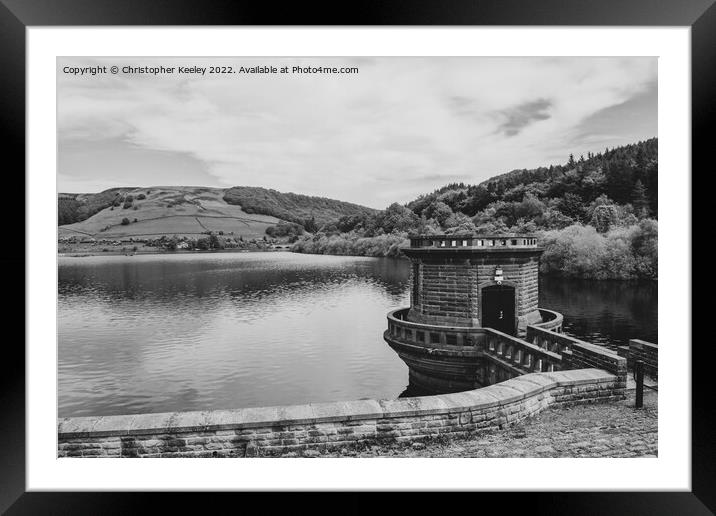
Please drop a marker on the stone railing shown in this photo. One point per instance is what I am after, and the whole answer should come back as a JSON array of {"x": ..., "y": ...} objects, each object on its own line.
[
  {"x": 642, "y": 350},
  {"x": 436, "y": 338},
  {"x": 551, "y": 320},
  {"x": 576, "y": 353},
  {"x": 270, "y": 431},
  {"x": 521, "y": 355},
  {"x": 548, "y": 339}
]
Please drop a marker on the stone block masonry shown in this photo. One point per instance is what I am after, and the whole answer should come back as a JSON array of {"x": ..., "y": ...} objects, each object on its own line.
[
  {"x": 446, "y": 290},
  {"x": 642, "y": 350},
  {"x": 272, "y": 431}
]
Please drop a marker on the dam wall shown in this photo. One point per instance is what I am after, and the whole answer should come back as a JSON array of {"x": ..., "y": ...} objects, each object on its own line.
[{"x": 272, "y": 431}]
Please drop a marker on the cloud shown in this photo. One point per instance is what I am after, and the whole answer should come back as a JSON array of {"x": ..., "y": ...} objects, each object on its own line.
[
  {"x": 636, "y": 117},
  {"x": 443, "y": 177},
  {"x": 519, "y": 117},
  {"x": 399, "y": 126}
]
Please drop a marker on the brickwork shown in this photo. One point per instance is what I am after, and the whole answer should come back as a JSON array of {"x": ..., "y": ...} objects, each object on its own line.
[
  {"x": 447, "y": 293},
  {"x": 272, "y": 431},
  {"x": 450, "y": 286},
  {"x": 584, "y": 354}
]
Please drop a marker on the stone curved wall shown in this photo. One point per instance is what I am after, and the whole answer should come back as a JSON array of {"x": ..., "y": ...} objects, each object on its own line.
[{"x": 269, "y": 431}]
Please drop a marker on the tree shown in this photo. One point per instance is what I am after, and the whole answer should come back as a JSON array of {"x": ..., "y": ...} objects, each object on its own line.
[
  {"x": 125, "y": 221},
  {"x": 640, "y": 200},
  {"x": 310, "y": 224},
  {"x": 397, "y": 218},
  {"x": 478, "y": 197},
  {"x": 439, "y": 211},
  {"x": 283, "y": 229},
  {"x": 459, "y": 223},
  {"x": 604, "y": 217},
  {"x": 571, "y": 205},
  {"x": 530, "y": 208},
  {"x": 217, "y": 243}
]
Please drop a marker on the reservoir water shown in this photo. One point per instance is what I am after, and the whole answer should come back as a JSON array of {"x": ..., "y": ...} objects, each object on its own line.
[{"x": 161, "y": 333}]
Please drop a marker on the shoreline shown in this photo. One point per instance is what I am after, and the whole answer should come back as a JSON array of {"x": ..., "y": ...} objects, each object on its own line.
[
  {"x": 83, "y": 254},
  {"x": 156, "y": 251}
]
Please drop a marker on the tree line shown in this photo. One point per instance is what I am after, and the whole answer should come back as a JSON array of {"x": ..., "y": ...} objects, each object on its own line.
[{"x": 595, "y": 214}]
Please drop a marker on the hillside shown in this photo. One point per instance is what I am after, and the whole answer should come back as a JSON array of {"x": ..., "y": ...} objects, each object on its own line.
[
  {"x": 181, "y": 211},
  {"x": 626, "y": 175},
  {"x": 191, "y": 211},
  {"x": 77, "y": 207},
  {"x": 301, "y": 209},
  {"x": 595, "y": 215}
]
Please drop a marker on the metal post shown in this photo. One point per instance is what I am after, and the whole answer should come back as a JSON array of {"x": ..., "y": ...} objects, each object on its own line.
[{"x": 639, "y": 372}]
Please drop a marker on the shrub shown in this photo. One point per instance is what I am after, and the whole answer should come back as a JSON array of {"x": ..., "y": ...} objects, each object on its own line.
[
  {"x": 284, "y": 229},
  {"x": 624, "y": 252},
  {"x": 351, "y": 244},
  {"x": 125, "y": 221}
]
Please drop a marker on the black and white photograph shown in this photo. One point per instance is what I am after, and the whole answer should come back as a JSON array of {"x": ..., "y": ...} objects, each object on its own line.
[{"x": 357, "y": 257}]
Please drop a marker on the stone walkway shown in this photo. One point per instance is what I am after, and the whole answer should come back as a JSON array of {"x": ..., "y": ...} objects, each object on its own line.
[{"x": 609, "y": 430}]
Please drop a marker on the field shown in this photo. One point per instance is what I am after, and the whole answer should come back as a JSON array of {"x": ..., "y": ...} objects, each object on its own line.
[{"x": 181, "y": 211}]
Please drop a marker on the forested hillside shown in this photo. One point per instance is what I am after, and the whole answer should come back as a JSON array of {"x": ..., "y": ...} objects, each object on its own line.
[
  {"x": 311, "y": 212},
  {"x": 595, "y": 214},
  {"x": 73, "y": 208}
]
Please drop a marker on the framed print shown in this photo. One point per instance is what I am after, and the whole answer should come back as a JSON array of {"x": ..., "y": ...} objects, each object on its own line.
[{"x": 420, "y": 245}]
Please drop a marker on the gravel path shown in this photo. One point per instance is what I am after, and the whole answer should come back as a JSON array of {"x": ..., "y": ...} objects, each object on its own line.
[{"x": 608, "y": 430}]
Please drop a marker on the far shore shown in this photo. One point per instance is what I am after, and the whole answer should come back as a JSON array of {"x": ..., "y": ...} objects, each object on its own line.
[{"x": 156, "y": 250}]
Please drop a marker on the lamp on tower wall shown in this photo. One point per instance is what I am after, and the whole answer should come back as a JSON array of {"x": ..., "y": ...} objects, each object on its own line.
[{"x": 498, "y": 275}]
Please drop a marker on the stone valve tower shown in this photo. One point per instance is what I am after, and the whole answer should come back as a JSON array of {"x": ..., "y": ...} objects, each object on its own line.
[{"x": 464, "y": 288}]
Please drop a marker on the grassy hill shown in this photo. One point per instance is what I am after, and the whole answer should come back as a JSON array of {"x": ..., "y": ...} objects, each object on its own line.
[
  {"x": 181, "y": 211},
  {"x": 190, "y": 211}
]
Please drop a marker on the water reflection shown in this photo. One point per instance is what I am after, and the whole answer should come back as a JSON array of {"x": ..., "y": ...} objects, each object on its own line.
[
  {"x": 604, "y": 312},
  {"x": 208, "y": 331}
]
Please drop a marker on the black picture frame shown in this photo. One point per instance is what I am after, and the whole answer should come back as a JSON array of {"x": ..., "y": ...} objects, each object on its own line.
[{"x": 17, "y": 15}]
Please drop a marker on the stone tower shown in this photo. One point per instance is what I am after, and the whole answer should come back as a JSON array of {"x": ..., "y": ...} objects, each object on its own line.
[
  {"x": 465, "y": 290},
  {"x": 480, "y": 281}
]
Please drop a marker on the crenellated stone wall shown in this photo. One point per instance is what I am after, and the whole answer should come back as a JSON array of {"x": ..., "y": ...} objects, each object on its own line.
[{"x": 271, "y": 431}]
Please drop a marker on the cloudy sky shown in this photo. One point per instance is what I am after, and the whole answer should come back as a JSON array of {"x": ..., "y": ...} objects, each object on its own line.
[{"x": 398, "y": 128}]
